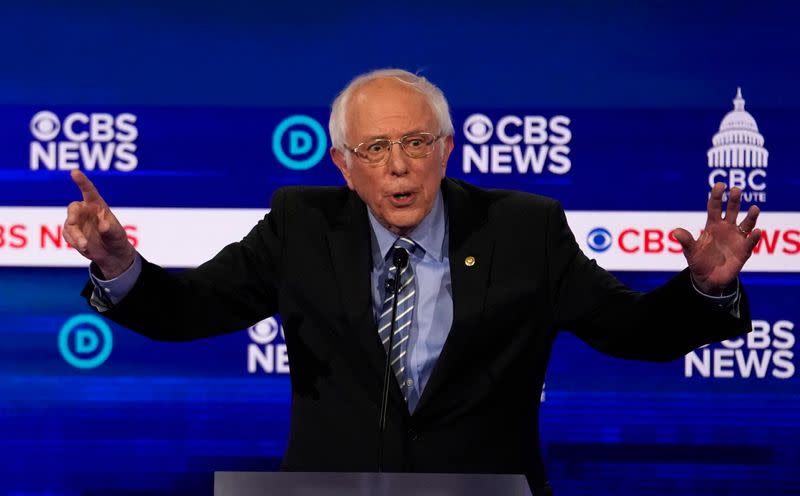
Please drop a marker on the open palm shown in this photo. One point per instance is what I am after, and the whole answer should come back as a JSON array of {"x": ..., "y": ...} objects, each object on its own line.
[{"x": 718, "y": 255}]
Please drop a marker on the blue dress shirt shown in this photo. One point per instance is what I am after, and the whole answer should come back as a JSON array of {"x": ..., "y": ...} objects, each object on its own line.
[{"x": 433, "y": 312}]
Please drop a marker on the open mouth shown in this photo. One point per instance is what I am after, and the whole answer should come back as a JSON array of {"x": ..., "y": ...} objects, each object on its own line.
[{"x": 402, "y": 198}]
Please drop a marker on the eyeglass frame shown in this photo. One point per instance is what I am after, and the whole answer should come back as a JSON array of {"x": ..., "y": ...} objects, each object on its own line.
[{"x": 381, "y": 163}]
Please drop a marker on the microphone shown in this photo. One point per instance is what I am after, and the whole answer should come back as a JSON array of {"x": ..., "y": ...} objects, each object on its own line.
[
  {"x": 399, "y": 261},
  {"x": 399, "y": 258}
]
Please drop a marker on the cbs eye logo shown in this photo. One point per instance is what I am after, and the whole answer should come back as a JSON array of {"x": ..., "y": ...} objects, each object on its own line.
[
  {"x": 45, "y": 126},
  {"x": 299, "y": 142},
  {"x": 599, "y": 239},
  {"x": 266, "y": 331},
  {"x": 478, "y": 128},
  {"x": 85, "y": 341}
]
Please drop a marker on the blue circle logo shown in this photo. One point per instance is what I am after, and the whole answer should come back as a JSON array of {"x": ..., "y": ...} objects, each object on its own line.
[
  {"x": 599, "y": 239},
  {"x": 299, "y": 152},
  {"x": 85, "y": 341}
]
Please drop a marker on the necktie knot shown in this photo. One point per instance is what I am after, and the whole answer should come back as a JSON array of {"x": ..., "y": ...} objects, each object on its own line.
[{"x": 406, "y": 244}]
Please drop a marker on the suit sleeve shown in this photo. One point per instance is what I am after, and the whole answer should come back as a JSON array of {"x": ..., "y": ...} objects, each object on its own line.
[
  {"x": 661, "y": 325},
  {"x": 235, "y": 289}
]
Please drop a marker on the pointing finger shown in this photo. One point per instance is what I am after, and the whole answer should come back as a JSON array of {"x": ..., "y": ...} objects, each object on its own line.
[{"x": 88, "y": 190}]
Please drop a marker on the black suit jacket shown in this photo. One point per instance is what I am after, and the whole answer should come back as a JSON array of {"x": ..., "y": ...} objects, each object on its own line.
[{"x": 309, "y": 259}]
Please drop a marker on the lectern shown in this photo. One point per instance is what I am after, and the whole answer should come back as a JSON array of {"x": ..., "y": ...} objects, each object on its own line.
[{"x": 366, "y": 484}]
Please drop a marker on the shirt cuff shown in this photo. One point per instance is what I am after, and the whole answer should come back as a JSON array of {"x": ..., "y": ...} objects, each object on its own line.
[
  {"x": 729, "y": 302},
  {"x": 109, "y": 292}
]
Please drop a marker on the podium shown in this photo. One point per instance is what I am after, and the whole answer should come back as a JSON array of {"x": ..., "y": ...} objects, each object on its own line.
[{"x": 366, "y": 484}]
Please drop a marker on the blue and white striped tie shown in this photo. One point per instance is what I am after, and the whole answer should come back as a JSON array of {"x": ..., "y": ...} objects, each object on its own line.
[{"x": 406, "y": 297}]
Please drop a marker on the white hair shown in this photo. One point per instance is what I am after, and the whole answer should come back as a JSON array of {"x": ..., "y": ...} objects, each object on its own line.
[{"x": 435, "y": 97}]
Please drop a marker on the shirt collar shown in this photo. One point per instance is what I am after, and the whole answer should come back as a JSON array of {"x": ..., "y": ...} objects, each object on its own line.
[{"x": 429, "y": 234}]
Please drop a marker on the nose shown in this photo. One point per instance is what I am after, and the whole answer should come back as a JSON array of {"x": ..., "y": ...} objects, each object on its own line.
[{"x": 397, "y": 163}]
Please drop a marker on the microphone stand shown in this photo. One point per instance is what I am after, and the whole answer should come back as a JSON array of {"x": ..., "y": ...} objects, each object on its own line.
[{"x": 399, "y": 260}]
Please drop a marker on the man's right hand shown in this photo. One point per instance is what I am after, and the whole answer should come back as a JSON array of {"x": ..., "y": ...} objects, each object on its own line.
[{"x": 95, "y": 232}]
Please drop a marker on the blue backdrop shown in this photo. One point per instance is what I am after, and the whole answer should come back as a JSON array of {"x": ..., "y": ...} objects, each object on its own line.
[{"x": 644, "y": 88}]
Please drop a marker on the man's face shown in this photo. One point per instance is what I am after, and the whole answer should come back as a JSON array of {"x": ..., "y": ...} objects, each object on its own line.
[{"x": 401, "y": 192}]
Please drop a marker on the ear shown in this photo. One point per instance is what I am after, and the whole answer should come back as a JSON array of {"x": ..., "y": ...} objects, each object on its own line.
[
  {"x": 448, "y": 143},
  {"x": 340, "y": 160}
]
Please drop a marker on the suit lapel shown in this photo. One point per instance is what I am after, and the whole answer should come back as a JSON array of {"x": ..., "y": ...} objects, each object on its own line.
[
  {"x": 470, "y": 250},
  {"x": 350, "y": 249}
]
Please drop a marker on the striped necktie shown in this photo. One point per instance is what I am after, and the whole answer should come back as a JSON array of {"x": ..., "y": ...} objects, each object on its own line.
[{"x": 406, "y": 296}]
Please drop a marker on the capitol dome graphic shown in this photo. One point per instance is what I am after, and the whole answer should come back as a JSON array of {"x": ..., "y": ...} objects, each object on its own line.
[{"x": 738, "y": 144}]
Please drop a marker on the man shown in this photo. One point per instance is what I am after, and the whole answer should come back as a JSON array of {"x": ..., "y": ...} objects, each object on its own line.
[{"x": 491, "y": 277}]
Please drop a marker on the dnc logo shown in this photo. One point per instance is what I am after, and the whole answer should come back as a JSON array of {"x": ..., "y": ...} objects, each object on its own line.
[
  {"x": 299, "y": 142},
  {"x": 85, "y": 341}
]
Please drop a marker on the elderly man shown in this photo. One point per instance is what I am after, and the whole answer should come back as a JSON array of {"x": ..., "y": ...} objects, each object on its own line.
[{"x": 490, "y": 277}]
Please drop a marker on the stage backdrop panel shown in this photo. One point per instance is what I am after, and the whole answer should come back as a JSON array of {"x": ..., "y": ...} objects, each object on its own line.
[{"x": 188, "y": 117}]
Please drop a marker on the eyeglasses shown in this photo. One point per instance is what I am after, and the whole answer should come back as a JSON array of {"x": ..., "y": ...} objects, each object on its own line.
[{"x": 375, "y": 153}]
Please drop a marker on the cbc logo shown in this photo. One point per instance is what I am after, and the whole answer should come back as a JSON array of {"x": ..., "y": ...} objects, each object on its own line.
[
  {"x": 599, "y": 239},
  {"x": 299, "y": 142},
  {"x": 85, "y": 341},
  {"x": 265, "y": 331}
]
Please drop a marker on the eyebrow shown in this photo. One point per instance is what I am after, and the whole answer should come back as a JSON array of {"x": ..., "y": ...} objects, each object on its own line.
[{"x": 384, "y": 136}]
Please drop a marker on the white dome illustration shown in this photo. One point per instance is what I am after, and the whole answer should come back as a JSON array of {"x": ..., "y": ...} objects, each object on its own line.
[{"x": 738, "y": 142}]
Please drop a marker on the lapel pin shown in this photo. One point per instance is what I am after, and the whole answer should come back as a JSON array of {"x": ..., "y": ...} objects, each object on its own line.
[{"x": 469, "y": 261}]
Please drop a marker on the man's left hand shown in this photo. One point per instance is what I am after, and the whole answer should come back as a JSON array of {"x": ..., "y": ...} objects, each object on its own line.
[{"x": 717, "y": 256}]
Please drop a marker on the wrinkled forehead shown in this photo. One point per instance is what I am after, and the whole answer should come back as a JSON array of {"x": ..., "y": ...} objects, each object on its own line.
[{"x": 387, "y": 108}]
